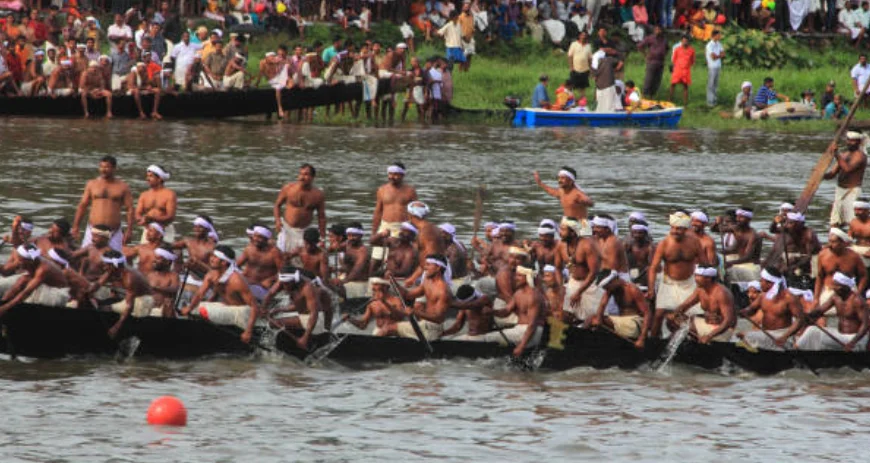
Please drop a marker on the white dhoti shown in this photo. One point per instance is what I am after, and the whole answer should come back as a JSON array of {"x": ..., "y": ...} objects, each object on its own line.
[
  {"x": 49, "y": 296},
  {"x": 468, "y": 47},
  {"x": 223, "y": 314},
  {"x": 589, "y": 301},
  {"x": 761, "y": 341},
  {"x": 356, "y": 289},
  {"x": 417, "y": 95},
  {"x": 606, "y": 98},
  {"x": 369, "y": 88},
  {"x": 702, "y": 328},
  {"x": 380, "y": 252},
  {"x": 843, "y": 210},
  {"x": 431, "y": 331},
  {"x": 303, "y": 321},
  {"x": 671, "y": 293},
  {"x": 290, "y": 238},
  {"x": 7, "y": 282},
  {"x": 63, "y": 92},
  {"x": 815, "y": 339},
  {"x": 237, "y": 81},
  {"x": 861, "y": 250},
  {"x": 627, "y": 326},
  {"x": 741, "y": 273},
  {"x": 168, "y": 234},
  {"x": 117, "y": 82},
  {"x": 585, "y": 228},
  {"x": 116, "y": 241},
  {"x": 142, "y": 306},
  {"x": 510, "y": 320},
  {"x": 280, "y": 80},
  {"x": 797, "y": 11}
]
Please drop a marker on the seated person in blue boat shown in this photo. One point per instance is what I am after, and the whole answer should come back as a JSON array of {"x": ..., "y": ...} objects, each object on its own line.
[{"x": 540, "y": 99}]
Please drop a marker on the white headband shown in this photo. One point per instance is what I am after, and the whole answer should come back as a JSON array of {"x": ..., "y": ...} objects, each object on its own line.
[
  {"x": 116, "y": 262},
  {"x": 786, "y": 207},
  {"x": 565, "y": 173},
  {"x": 476, "y": 294},
  {"x": 220, "y": 255},
  {"x": 27, "y": 226},
  {"x": 756, "y": 285},
  {"x": 354, "y": 231},
  {"x": 744, "y": 213},
  {"x": 680, "y": 220},
  {"x": 170, "y": 256},
  {"x": 394, "y": 169},
  {"x": 640, "y": 227},
  {"x": 613, "y": 275},
  {"x": 29, "y": 254},
  {"x": 549, "y": 269},
  {"x": 548, "y": 222},
  {"x": 517, "y": 251},
  {"x": 806, "y": 294},
  {"x": 700, "y": 216},
  {"x": 410, "y": 227},
  {"x": 448, "y": 228},
  {"x": 861, "y": 205},
  {"x": 55, "y": 257},
  {"x": 546, "y": 231},
  {"x": 709, "y": 272},
  {"x": 841, "y": 235},
  {"x": 199, "y": 221},
  {"x": 795, "y": 217},
  {"x": 378, "y": 281},
  {"x": 777, "y": 282},
  {"x": 418, "y": 209},
  {"x": 156, "y": 170},
  {"x": 529, "y": 274},
  {"x": 599, "y": 221},
  {"x": 436, "y": 262},
  {"x": 852, "y": 135},
  {"x": 294, "y": 277},
  {"x": 507, "y": 226},
  {"x": 842, "y": 279},
  {"x": 262, "y": 231},
  {"x": 157, "y": 227}
]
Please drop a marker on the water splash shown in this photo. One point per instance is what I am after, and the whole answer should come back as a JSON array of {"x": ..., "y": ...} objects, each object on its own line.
[
  {"x": 128, "y": 347},
  {"x": 673, "y": 346}
]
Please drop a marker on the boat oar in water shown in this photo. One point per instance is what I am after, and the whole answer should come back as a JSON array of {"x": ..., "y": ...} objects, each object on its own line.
[
  {"x": 411, "y": 317},
  {"x": 677, "y": 338},
  {"x": 795, "y": 353}
]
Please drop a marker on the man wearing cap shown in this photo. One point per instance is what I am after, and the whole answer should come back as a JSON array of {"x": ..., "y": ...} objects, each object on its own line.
[
  {"x": 859, "y": 230},
  {"x": 717, "y": 323},
  {"x": 742, "y": 247},
  {"x": 428, "y": 236},
  {"x": 92, "y": 86},
  {"x": 146, "y": 252},
  {"x": 708, "y": 244},
  {"x": 540, "y": 99},
  {"x": 849, "y": 170},
  {"x": 575, "y": 203},
  {"x": 391, "y": 203},
  {"x": 138, "y": 300},
  {"x": 106, "y": 196},
  {"x": 678, "y": 255},
  {"x": 808, "y": 99},
  {"x": 850, "y": 307},
  {"x": 62, "y": 81},
  {"x": 432, "y": 311},
  {"x": 837, "y": 257},
  {"x": 302, "y": 199},
  {"x": 544, "y": 251},
  {"x": 199, "y": 247},
  {"x": 639, "y": 249},
  {"x": 781, "y": 313},
  {"x": 260, "y": 261},
  {"x": 34, "y": 76},
  {"x": 402, "y": 258},
  {"x": 605, "y": 231},
  {"x": 743, "y": 104},
  {"x": 35, "y": 272},
  {"x": 633, "y": 318},
  {"x": 158, "y": 203}
]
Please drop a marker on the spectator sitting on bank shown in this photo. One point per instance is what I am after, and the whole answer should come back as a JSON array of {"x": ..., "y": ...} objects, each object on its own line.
[
  {"x": 580, "y": 17},
  {"x": 763, "y": 17},
  {"x": 850, "y": 23},
  {"x": 836, "y": 110},
  {"x": 743, "y": 102},
  {"x": 828, "y": 96},
  {"x": 808, "y": 97},
  {"x": 640, "y": 14},
  {"x": 626, "y": 15},
  {"x": 540, "y": 99}
]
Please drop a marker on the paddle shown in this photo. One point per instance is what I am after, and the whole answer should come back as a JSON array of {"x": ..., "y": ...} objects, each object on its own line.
[
  {"x": 795, "y": 353},
  {"x": 828, "y": 333},
  {"x": 411, "y": 317},
  {"x": 180, "y": 291}
]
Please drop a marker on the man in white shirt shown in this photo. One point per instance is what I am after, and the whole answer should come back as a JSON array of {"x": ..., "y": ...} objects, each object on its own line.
[
  {"x": 183, "y": 53},
  {"x": 452, "y": 34},
  {"x": 714, "y": 53},
  {"x": 860, "y": 73},
  {"x": 850, "y": 24},
  {"x": 119, "y": 30}
]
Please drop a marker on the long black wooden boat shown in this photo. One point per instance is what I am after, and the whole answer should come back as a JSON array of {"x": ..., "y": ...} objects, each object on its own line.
[{"x": 190, "y": 105}]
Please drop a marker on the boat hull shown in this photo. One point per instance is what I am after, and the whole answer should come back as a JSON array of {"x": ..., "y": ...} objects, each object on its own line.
[{"x": 664, "y": 118}]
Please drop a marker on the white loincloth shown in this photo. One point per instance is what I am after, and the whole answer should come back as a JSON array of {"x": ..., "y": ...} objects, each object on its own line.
[
  {"x": 369, "y": 88},
  {"x": 585, "y": 228},
  {"x": 380, "y": 252},
  {"x": 606, "y": 98},
  {"x": 671, "y": 293},
  {"x": 303, "y": 321},
  {"x": 759, "y": 340},
  {"x": 702, "y": 328},
  {"x": 117, "y": 82},
  {"x": 742, "y": 273},
  {"x": 861, "y": 250},
  {"x": 843, "y": 211},
  {"x": 627, "y": 326},
  {"x": 168, "y": 234},
  {"x": 223, "y": 314},
  {"x": 510, "y": 320},
  {"x": 815, "y": 339},
  {"x": 258, "y": 291},
  {"x": 116, "y": 241},
  {"x": 589, "y": 301},
  {"x": 514, "y": 335},
  {"x": 356, "y": 289},
  {"x": 49, "y": 296},
  {"x": 63, "y": 92},
  {"x": 468, "y": 47},
  {"x": 417, "y": 95},
  {"x": 6, "y": 283},
  {"x": 142, "y": 306},
  {"x": 280, "y": 80},
  {"x": 290, "y": 238},
  {"x": 431, "y": 331}
]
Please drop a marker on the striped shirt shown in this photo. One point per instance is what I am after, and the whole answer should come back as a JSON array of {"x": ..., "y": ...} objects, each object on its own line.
[{"x": 764, "y": 96}]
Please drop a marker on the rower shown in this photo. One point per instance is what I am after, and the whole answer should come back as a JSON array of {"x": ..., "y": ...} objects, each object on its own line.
[
  {"x": 575, "y": 202},
  {"x": 81, "y": 291},
  {"x": 837, "y": 257},
  {"x": 229, "y": 287},
  {"x": 355, "y": 263},
  {"x": 385, "y": 308},
  {"x": 742, "y": 247},
  {"x": 716, "y": 301},
  {"x": 438, "y": 298},
  {"x": 639, "y": 250},
  {"x": 800, "y": 256},
  {"x": 633, "y": 318},
  {"x": 528, "y": 307},
  {"x": 58, "y": 237},
  {"x": 474, "y": 309},
  {"x": 428, "y": 237},
  {"x": 146, "y": 253},
  {"x": 859, "y": 230},
  {"x": 35, "y": 272},
  {"x": 679, "y": 253},
  {"x": 781, "y": 313},
  {"x": 708, "y": 244},
  {"x": 164, "y": 282},
  {"x": 606, "y": 233},
  {"x": 90, "y": 257},
  {"x": 401, "y": 254},
  {"x": 20, "y": 232},
  {"x": 138, "y": 300},
  {"x": 314, "y": 259},
  {"x": 454, "y": 250},
  {"x": 852, "y": 317},
  {"x": 778, "y": 222},
  {"x": 391, "y": 203},
  {"x": 157, "y": 204},
  {"x": 199, "y": 247},
  {"x": 93, "y": 85},
  {"x": 260, "y": 261},
  {"x": 544, "y": 251},
  {"x": 335, "y": 244},
  {"x": 849, "y": 171},
  {"x": 583, "y": 260},
  {"x": 503, "y": 239},
  {"x": 482, "y": 246},
  {"x": 554, "y": 291},
  {"x": 301, "y": 199},
  {"x": 106, "y": 195},
  {"x": 304, "y": 300}
]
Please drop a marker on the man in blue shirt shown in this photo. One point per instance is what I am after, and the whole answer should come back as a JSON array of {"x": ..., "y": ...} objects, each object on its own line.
[
  {"x": 766, "y": 95},
  {"x": 539, "y": 97}
]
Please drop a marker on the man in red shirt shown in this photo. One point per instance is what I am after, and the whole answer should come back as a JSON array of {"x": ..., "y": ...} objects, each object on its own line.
[{"x": 682, "y": 58}]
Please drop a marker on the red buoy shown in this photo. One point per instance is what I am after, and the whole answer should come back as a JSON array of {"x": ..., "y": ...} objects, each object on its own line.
[{"x": 167, "y": 411}]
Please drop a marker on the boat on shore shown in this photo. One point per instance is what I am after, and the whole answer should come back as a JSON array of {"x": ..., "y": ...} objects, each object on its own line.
[{"x": 536, "y": 117}]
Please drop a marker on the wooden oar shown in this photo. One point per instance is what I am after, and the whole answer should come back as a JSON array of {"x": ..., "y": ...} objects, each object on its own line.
[
  {"x": 180, "y": 286},
  {"x": 795, "y": 353},
  {"x": 824, "y": 330},
  {"x": 411, "y": 317}
]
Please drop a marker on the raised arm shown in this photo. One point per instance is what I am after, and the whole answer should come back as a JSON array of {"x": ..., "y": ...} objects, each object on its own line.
[{"x": 554, "y": 192}]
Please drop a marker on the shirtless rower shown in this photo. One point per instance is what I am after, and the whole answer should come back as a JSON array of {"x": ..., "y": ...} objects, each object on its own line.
[
  {"x": 260, "y": 261},
  {"x": 391, "y": 202},
  {"x": 801, "y": 248},
  {"x": 304, "y": 300},
  {"x": 402, "y": 258},
  {"x": 778, "y": 222},
  {"x": 92, "y": 85},
  {"x": 554, "y": 292},
  {"x": 716, "y": 301},
  {"x": 454, "y": 250},
  {"x": 680, "y": 252},
  {"x": 428, "y": 238},
  {"x": 781, "y": 313},
  {"x": 157, "y": 204},
  {"x": 384, "y": 308},
  {"x": 528, "y": 306},
  {"x": 742, "y": 249},
  {"x": 146, "y": 252},
  {"x": 90, "y": 257},
  {"x": 438, "y": 298},
  {"x": 228, "y": 286},
  {"x": 58, "y": 237},
  {"x": 634, "y": 316},
  {"x": 164, "y": 282},
  {"x": 490, "y": 230},
  {"x": 504, "y": 239},
  {"x": 199, "y": 247},
  {"x": 708, "y": 244},
  {"x": 583, "y": 262},
  {"x": 138, "y": 298},
  {"x": 852, "y": 324},
  {"x": 474, "y": 309},
  {"x": 106, "y": 195},
  {"x": 355, "y": 263},
  {"x": 21, "y": 231},
  {"x": 504, "y": 280},
  {"x": 314, "y": 259},
  {"x": 837, "y": 257},
  {"x": 575, "y": 203},
  {"x": 859, "y": 230},
  {"x": 545, "y": 250},
  {"x": 849, "y": 171},
  {"x": 36, "y": 272},
  {"x": 302, "y": 199},
  {"x": 612, "y": 252},
  {"x": 62, "y": 80},
  {"x": 639, "y": 250}
]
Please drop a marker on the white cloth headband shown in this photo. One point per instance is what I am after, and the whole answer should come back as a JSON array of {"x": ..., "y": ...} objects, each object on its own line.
[
  {"x": 448, "y": 228},
  {"x": 507, "y": 226},
  {"x": 546, "y": 231},
  {"x": 436, "y": 262},
  {"x": 841, "y": 235},
  {"x": 418, "y": 209},
  {"x": 744, "y": 213},
  {"x": 606, "y": 281},
  {"x": 548, "y": 223},
  {"x": 852, "y": 135},
  {"x": 599, "y": 221},
  {"x": 410, "y": 227},
  {"x": 294, "y": 277},
  {"x": 116, "y": 262},
  {"x": 262, "y": 231},
  {"x": 637, "y": 216},
  {"x": 565, "y": 173},
  {"x": 170, "y": 256},
  {"x": 395, "y": 170},
  {"x": 474, "y": 295},
  {"x": 640, "y": 227},
  {"x": 56, "y": 257},
  {"x": 700, "y": 216},
  {"x": 806, "y": 294},
  {"x": 157, "y": 227},
  {"x": 795, "y": 217},
  {"x": 709, "y": 272},
  {"x": 220, "y": 255},
  {"x": 27, "y": 226},
  {"x": 861, "y": 205},
  {"x": 199, "y": 221},
  {"x": 354, "y": 231},
  {"x": 517, "y": 251},
  {"x": 156, "y": 170},
  {"x": 842, "y": 279},
  {"x": 549, "y": 269},
  {"x": 529, "y": 274},
  {"x": 680, "y": 220},
  {"x": 378, "y": 281},
  {"x": 29, "y": 254},
  {"x": 756, "y": 285},
  {"x": 786, "y": 207},
  {"x": 777, "y": 282}
]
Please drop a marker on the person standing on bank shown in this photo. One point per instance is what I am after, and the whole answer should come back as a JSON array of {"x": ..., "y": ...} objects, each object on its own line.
[{"x": 714, "y": 53}]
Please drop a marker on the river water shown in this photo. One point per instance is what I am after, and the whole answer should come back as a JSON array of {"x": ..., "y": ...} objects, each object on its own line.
[{"x": 274, "y": 409}]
